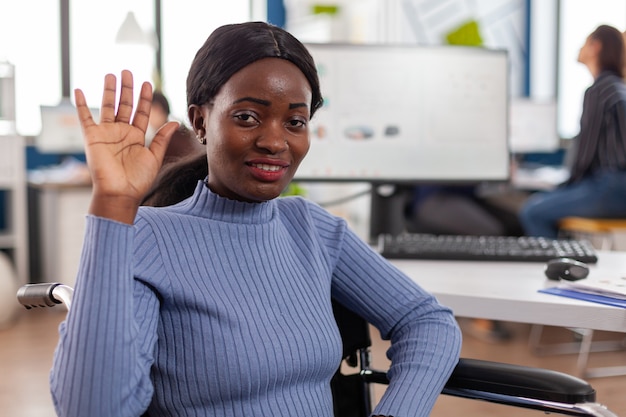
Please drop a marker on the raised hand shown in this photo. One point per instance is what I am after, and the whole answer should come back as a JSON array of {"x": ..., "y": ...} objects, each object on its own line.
[{"x": 122, "y": 168}]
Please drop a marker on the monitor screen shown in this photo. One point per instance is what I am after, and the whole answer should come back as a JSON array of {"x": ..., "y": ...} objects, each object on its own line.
[
  {"x": 533, "y": 125},
  {"x": 407, "y": 113},
  {"x": 60, "y": 129}
]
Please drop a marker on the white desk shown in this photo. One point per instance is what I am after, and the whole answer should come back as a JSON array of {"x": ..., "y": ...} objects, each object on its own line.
[
  {"x": 508, "y": 291},
  {"x": 539, "y": 178}
]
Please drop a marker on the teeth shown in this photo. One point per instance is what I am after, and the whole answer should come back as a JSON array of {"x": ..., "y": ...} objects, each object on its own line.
[{"x": 267, "y": 167}]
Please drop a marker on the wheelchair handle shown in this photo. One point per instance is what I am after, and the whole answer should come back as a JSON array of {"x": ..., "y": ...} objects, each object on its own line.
[{"x": 45, "y": 295}]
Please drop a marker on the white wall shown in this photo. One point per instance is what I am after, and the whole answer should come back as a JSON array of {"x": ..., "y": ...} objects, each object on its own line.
[
  {"x": 30, "y": 33},
  {"x": 423, "y": 22}
]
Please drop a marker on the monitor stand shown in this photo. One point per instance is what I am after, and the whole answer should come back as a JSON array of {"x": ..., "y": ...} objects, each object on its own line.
[{"x": 387, "y": 213}]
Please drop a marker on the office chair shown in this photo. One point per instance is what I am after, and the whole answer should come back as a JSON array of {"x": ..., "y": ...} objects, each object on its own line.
[
  {"x": 604, "y": 234},
  {"x": 514, "y": 385}
]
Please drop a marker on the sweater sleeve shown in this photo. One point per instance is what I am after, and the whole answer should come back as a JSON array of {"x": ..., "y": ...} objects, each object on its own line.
[
  {"x": 101, "y": 366},
  {"x": 425, "y": 338}
]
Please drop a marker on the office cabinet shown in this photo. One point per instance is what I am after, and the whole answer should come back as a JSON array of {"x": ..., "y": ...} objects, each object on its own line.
[
  {"x": 14, "y": 234},
  {"x": 59, "y": 211}
]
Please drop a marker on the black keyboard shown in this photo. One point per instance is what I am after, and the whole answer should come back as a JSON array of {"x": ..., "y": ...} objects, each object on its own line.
[{"x": 484, "y": 248}]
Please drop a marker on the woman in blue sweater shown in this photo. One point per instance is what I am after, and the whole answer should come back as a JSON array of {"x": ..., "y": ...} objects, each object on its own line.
[
  {"x": 597, "y": 156},
  {"x": 218, "y": 302}
]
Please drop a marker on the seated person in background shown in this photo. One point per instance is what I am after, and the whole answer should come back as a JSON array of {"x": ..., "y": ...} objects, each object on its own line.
[
  {"x": 597, "y": 155},
  {"x": 221, "y": 304},
  {"x": 182, "y": 142},
  {"x": 624, "y": 68}
]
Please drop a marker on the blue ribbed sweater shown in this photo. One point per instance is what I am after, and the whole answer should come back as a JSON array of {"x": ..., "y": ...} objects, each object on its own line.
[{"x": 214, "y": 307}]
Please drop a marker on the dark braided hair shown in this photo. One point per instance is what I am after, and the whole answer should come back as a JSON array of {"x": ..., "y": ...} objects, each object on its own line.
[{"x": 177, "y": 181}]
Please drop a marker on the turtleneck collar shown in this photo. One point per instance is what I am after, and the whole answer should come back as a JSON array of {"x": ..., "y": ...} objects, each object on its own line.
[{"x": 205, "y": 203}]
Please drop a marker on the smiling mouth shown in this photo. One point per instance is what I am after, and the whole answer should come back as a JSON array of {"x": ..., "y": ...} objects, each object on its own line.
[{"x": 267, "y": 167}]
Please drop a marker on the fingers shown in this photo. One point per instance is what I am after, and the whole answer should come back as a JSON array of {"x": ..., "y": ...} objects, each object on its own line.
[
  {"x": 125, "y": 108},
  {"x": 122, "y": 113},
  {"x": 107, "y": 109},
  {"x": 161, "y": 140},
  {"x": 144, "y": 105},
  {"x": 84, "y": 114}
]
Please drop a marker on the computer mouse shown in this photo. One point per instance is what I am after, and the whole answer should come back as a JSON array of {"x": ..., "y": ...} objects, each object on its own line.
[{"x": 567, "y": 269}]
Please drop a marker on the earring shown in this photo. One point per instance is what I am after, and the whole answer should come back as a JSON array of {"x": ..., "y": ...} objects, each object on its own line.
[{"x": 201, "y": 139}]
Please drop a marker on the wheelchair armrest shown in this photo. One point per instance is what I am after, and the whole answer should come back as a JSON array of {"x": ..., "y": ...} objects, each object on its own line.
[
  {"x": 45, "y": 294},
  {"x": 519, "y": 381}
]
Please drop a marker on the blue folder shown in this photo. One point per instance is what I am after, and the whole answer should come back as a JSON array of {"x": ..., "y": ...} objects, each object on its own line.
[{"x": 616, "y": 302}]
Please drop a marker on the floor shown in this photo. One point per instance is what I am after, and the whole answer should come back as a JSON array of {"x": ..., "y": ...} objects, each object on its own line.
[
  {"x": 610, "y": 390},
  {"x": 26, "y": 350}
]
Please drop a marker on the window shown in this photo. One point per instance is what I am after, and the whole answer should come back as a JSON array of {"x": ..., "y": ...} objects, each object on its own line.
[
  {"x": 94, "y": 52},
  {"x": 186, "y": 25},
  {"x": 577, "y": 20},
  {"x": 30, "y": 33}
]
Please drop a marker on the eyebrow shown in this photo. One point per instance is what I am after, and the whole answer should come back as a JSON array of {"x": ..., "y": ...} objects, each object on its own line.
[
  {"x": 296, "y": 105},
  {"x": 254, "y": 100},
  {"x": 268, "y": 103}
]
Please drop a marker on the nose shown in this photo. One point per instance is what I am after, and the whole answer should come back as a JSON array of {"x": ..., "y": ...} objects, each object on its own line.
[{"x": 273, "y": 139}]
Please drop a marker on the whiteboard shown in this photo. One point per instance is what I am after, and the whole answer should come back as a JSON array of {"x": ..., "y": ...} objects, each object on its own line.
[{"x": 408, "y": 113}]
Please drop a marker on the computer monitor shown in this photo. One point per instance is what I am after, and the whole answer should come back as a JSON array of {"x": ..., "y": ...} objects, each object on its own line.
[
  {"x": 409, "y": 114},
  {"x": 401, "y": 115},
  {"x": 533, "y": 125},
  {"x": 60, "y": 129}
]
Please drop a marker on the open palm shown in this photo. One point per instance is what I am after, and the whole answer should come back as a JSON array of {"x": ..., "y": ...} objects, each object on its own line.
[{"x": 122, "y": 168}]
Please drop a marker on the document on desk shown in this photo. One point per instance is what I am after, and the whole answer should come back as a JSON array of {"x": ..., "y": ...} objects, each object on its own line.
[{"x": 606, "y": 290}]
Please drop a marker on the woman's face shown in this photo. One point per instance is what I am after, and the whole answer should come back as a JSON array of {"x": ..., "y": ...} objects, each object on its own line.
[
  {"x": 589, "y": 51},
  {"x": 257, "y": 130}
]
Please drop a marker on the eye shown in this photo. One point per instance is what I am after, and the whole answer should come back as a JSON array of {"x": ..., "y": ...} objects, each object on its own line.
[
  {"x": 297, "y": 123},
  {"x": 246, "y": 119}
]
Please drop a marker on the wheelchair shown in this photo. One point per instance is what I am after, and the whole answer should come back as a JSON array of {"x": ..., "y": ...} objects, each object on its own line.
[{"x": 496, "y": 382}]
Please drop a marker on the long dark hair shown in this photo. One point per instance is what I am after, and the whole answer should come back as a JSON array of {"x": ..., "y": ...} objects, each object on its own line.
[
  {"x": 227, "y": 50},
  {"x": 612, "y": 53}
]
